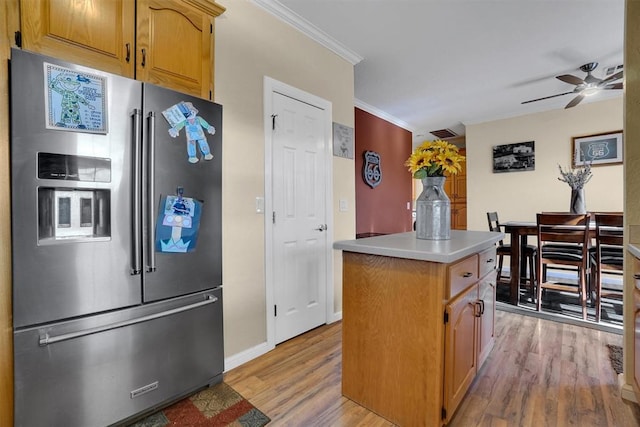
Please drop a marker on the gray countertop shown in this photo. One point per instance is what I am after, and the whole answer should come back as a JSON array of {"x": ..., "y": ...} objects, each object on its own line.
[
  {"x": 406, "y": 245},
  {"x": 634, "y": 249}
]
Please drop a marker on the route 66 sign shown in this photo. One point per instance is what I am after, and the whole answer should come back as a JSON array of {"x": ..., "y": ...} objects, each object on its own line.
[
  {"x": 371, "y": 172},
  {"x": 597, "y": 150}
]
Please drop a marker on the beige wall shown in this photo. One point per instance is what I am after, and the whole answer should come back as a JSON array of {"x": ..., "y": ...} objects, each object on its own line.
[
  {"x": 520, "y": 195},
  {"x": 251, "y": 44}
]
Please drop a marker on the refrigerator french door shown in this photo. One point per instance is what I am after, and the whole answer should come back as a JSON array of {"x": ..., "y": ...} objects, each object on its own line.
[{"x": 116, "y": 234}]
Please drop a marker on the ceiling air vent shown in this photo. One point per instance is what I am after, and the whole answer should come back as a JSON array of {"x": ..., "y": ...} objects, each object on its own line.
[
  {"x": 610, "y": 70},
  {"x": 443, "y": 133}
]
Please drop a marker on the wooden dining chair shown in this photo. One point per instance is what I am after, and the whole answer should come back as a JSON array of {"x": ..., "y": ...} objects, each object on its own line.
[
  {"x": 563, "y": 239},
  {"x": 503, "y": 249},
  {"x": 608, "y": 255}
]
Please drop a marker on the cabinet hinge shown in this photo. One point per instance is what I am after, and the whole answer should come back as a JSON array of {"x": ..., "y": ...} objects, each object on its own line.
[
  {"x": 18, "y": 38},
  {"x": 275, "y": 310},
  {"x": 444, "y": 413},
  {"x": 446, "y": 317}
]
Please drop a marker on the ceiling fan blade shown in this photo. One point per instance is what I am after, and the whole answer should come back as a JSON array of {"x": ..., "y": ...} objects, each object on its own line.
[
  {"x": 611, "y": 78},
  {"x": 547, "y": 97},
  {"x": 613, "y": 86},
  {"x": 568, "y": 78},
  {"x": 575, "y": 101}
]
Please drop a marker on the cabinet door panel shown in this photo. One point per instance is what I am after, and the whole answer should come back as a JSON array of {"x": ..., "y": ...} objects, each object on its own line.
[
  {"x": 486, "y": 327},
  {"x": 91, "y": 33},
  {"x": 459, "y": 216},
  {"x": 174, "y": 46},
  {"x": 460, "y": 348},
  {"x": 636, "y": 342}
]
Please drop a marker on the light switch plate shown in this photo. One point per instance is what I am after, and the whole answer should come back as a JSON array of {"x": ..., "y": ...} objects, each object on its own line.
[
  {"x": 259, "y": 204},
  {"x": 344, "y": 205}
]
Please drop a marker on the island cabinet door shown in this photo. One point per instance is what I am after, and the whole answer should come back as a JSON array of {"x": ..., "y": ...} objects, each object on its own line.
[
  {"x": 460, "y": 362},
  {"x": 636, "y": 329},
  {"x": 486, "y": 321}
]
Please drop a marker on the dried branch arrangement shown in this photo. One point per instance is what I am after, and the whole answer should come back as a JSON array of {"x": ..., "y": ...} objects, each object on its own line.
[{"x": 576, "y": 178}]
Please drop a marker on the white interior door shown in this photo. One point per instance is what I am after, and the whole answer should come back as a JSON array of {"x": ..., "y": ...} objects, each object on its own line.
[{"x": 300, "y": 237}]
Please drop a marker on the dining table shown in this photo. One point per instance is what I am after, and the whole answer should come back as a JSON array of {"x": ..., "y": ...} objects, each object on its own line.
[{"x": 519, "y": 231}]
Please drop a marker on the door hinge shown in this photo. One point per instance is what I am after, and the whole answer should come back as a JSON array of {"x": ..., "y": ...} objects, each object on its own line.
[
  {"x": 444, "y": 413},
  {"x": 446, "y": 317},
  {"x": 18, "y": 38},
  {"x": 273, "y": 217},
  {"x": 275, "y": 310},
  {"x": 273, "y": 121}
]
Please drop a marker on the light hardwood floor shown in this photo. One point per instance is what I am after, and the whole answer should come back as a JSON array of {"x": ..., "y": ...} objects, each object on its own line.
[{"x": 540, "y": 373}]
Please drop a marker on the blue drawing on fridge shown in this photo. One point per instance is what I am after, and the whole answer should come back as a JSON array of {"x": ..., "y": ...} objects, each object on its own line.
[
  {"x": 185, "y": 115},
  {"x": 75, "y": 100},
  {"x": 178, "y": 223}
]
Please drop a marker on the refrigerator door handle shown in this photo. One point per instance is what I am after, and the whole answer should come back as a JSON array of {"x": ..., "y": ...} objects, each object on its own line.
[
  {"x": 136, "y": 253},
  {"x": 46, "y": 339},
  {"x": 151, "y": 211}
]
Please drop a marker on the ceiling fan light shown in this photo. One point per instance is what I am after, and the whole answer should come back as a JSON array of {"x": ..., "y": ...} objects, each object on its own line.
[{"x": 590, "y": 91}]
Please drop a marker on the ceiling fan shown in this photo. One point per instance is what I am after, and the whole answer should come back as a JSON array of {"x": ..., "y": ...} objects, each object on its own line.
[{"x": 588, "y": 86}]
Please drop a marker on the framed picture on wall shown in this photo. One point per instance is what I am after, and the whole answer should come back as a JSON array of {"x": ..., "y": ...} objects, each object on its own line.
[
  {"x": 599, "y": 149},
  {"x": 342, "y": 141},
  {"x": 517, "y": 157}
]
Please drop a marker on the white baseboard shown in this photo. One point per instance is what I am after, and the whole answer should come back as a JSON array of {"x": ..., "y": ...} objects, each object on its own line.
[
  {"x": 336, "y": 318},
  {"x": 245, "y": 356},
  {"x": 260, "y": 349},
  {"x": 626, "y": 390},
  {"x": 567, "y": 275}
]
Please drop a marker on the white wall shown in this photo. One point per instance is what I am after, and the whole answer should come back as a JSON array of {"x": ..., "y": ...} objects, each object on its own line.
[
  {"x": 518, "y": 196},
  {"x": 251, "y": 44}
]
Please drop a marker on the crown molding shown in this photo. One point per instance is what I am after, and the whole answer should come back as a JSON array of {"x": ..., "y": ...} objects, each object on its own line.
[
  {"x": 283, "y": 13},
  {"x": 379, "y": 113}
]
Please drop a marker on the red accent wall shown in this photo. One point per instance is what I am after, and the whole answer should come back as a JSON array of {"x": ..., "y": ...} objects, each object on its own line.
[{"x": 383, "y": 209}]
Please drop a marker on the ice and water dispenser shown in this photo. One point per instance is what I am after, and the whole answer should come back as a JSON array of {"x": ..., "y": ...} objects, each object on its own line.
[{"x": 68, "y": 211}]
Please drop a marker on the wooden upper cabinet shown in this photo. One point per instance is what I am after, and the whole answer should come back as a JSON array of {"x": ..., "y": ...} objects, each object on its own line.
[
  {"x": 166, "y": 42},
  {"x": 175, "y": 40},
  {"x": 97, "y": 34}
]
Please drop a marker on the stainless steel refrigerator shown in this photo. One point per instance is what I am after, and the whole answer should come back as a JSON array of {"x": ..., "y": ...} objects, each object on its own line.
[{"x": 116, "y": 237}]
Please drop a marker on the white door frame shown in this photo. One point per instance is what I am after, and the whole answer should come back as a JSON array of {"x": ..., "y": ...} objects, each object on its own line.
[{"x": 271, "y": 86}]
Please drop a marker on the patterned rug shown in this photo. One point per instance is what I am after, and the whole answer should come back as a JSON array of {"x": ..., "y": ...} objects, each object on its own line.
[
  {"x": 217, "y": 406},
  {"x": 615, "y": 355}
]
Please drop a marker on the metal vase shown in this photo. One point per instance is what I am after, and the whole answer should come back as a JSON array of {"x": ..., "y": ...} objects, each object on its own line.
[
  {"x": 433, "y": 210},
  {"x": 578, "y": 204}
]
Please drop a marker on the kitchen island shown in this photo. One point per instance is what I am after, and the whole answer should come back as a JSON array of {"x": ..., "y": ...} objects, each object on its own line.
[{"x": 418, "y": 322}]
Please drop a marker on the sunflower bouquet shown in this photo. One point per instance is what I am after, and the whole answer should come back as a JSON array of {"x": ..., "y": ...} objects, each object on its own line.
[{"x": 434, "y": 158}]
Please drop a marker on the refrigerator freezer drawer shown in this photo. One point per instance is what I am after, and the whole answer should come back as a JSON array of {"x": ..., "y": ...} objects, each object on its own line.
[{"x": 123, "y": 364}]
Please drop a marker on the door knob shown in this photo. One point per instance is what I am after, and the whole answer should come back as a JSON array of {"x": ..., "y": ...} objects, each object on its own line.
[{"x": 322, "y": 227}]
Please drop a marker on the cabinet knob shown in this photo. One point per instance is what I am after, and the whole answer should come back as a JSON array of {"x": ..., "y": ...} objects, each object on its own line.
[
  {"x": 144, "y": 57},
  {"x": 467, "y": 274},
  {"x": 128, "y": 58}
]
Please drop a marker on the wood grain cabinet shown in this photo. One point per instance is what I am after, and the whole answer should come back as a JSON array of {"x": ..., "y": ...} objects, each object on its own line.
[
  {"x": 469, "y": 327},
  {"x": 415, "y": 333},
  {"x": 456, "y": 188},
  {"x": 165, "y": 42},
  {"x": 636, "y": 329}
]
